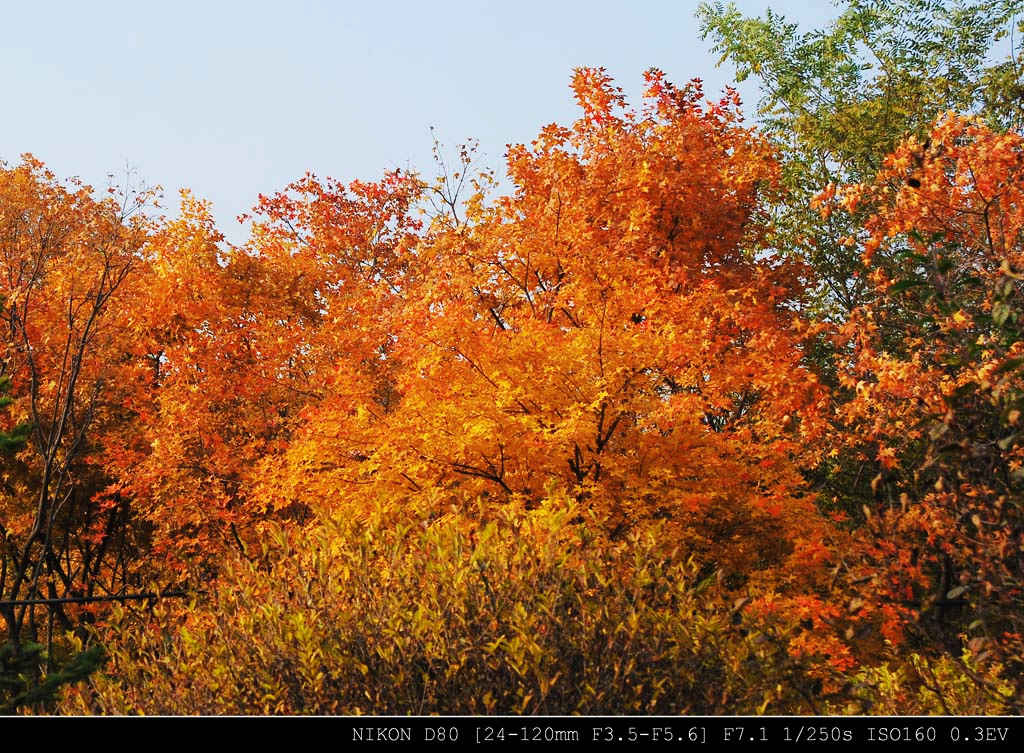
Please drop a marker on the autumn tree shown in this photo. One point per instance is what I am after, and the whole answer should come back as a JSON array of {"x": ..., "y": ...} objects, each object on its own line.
[
  {"x": 603, "y": 333},
  {"x": 836, "y": 101},
  {"x": 940, "y": 552},
  {"x": 67, "y": 264},
  {"x": 242, "y": 340}
]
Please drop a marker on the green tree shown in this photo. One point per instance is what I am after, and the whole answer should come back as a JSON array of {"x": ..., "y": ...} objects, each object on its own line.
[
  {"x": 836, "y": 100},
  {"x": 926, "y": 295}
]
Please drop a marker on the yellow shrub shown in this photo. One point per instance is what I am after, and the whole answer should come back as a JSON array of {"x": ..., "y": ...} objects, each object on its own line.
[
  {"x": 527, "y": 614},
  {"x": 919, "y": 686}
]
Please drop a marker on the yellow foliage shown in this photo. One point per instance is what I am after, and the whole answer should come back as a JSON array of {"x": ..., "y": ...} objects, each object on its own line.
[{"x": 530, "y": 614}]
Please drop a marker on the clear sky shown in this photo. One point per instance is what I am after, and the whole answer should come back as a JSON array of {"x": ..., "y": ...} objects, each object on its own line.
[{"x": 233, "y": 99}]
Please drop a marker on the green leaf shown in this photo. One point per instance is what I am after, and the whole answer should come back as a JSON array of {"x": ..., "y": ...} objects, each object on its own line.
[
  {"x": 899, "y": 287},
  {"x": 1009, "y": 365},
  {"x": 1000, "y": 313}
]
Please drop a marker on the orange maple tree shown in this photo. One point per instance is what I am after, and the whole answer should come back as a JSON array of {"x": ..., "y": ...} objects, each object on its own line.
[
  {"x": 69, "y": 275},
  {"x": 241, "y": 340},
  {"x": 933, "y": 372},
  {"x": 612, "y": 332}
]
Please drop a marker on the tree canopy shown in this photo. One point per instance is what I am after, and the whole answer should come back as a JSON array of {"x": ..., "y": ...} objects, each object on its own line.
[{"x": 696, "y": 416}]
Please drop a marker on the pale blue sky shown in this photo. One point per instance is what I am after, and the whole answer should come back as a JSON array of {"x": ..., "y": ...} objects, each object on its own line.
[{"x": 232, "y": 99}]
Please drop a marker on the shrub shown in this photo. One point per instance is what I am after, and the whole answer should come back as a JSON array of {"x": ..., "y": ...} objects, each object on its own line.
[{"x": 528, "y": 614}]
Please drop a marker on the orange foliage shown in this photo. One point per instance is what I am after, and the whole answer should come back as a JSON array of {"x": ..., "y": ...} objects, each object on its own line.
[
  {"x": 69, "y": 288},
  {"x": 614, "y": 339},
  {"x": 936, "y": 389},
  {"x": 602, "y": 332},
  {"x": 240, "y": 341}
]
